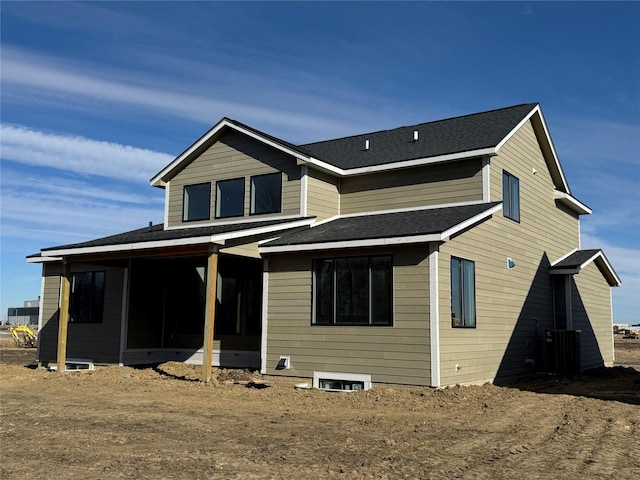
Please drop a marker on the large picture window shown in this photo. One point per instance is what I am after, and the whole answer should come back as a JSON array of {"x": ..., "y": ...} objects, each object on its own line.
[
  {"x": 230, "y": 198},
  {"x": 511, "y": 196},
  {"x": 195, "y": 202},
  {"x": 353, "y": 291},
  {"x": 463, "y": 293},
  {"x": 86, "y": 303},
  {"x": 266, "y": 193}
]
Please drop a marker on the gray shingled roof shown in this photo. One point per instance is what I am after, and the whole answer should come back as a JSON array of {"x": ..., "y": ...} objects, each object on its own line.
[
  {"x": 157, "y": 233},
  {"x": 385, "y": 225},
  {"x": 442, "y": 137},
  {"x": 576, "y": 259}
]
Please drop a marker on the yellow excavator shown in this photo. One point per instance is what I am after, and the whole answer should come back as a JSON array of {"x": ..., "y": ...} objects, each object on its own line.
[{"x": 24, "y": 336}]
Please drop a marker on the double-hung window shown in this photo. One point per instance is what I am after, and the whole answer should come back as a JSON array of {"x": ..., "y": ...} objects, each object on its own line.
[
  {"x": 195, "y": 202},
  {"x": 266, "y": 193},
  {"x": 511, "y": 196},
  {"x": 86, "y": 302},
  {"x": 230, "y": 198},
  {"x": 353, "y": 291},
  {"x": 463, "y": 293}
]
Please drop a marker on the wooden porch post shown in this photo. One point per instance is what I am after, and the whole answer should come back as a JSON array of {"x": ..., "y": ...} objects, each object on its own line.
[
  {"x": 65, "y": 292},
  {"x": 209, "y": 314}
]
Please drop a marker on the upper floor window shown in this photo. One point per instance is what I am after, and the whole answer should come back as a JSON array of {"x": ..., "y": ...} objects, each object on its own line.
[
  {"x": 463, "y": 293},
  {"x": 353, "y": 291},
  {"x": 511, "y": 196},
  {"x": 86, "y": 301},
  {"x": 230, "y": 198},
  {"x": 196, "y": 201},
  {"x": 266, "y": 193}
]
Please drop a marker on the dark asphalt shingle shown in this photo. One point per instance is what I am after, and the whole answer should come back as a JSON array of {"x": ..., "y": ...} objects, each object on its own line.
[
  {"x": 442, "y": 137},
  {"x": 385, "y": 225},
  {"x": 576, "y": 259},
  {"x": 157, "y": 233}
]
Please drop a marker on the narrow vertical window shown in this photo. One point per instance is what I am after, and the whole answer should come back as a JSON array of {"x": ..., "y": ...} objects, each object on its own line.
[
  {"x": 195, "y": 202},
  {"x": 511, "y": 196},
  {"x": 230, "y": 198},
  {"x": 463, "y": 293},
  {"x": 266, "y": 193}
]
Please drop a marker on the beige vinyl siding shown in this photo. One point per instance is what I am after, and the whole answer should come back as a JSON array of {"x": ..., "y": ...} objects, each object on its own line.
[
  {"x": 444, "y": 183},
  {"x": 591, "y": 314},
  {"x": 97, "y": 341},
  {"x": 397, "y": 354},
  {"x": 235, "y": 155},
  {"x": 514, "y": 306},
  {"x": 323, "y": 197}
]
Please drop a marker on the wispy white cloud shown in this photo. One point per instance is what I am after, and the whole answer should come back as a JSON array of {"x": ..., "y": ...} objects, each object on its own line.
[
  {"x": 279, "y": 103},
  {"x": 79, "y": 154}
]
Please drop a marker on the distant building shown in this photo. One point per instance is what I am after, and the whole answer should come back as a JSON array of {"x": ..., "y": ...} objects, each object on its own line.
[{"x": 25, "y": 315}]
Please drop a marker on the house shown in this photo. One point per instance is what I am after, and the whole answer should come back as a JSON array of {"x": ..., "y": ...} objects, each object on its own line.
[
  {"x": 28, "y": 314},
  {"x": 436, "y": 254}
]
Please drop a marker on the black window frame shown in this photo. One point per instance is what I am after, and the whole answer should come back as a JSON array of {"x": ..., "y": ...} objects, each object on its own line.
[
  {"x": 218, "y": 212},
  {"x": 511, "y": 196},
  {"x": 252, "y": 202},
  {"x": 93, "y": 312},
  {"x": 185, "y": 203},
  {"x": 458, "y": 292},
  {"x": 332, "y": 317}
]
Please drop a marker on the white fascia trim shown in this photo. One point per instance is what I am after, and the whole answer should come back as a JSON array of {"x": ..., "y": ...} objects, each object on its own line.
[
  {"x": 241, "y": 221},
  {"x": 257, "y": 231},
  {"x": 405, "y": 209},
  {"x": 133, "y": 246},
  {"x": 404, "y": 164},
  {"x": 538, "y": 110},
  {"x": 572, "y": 202},
  {"x": 467, "y": 223},
  {"x": 564, "y": 256},
  {"x": 157, "y": 181},
  {"x": 373, "y": 242},
  {"x": 44, "y": 259},
  {"x": 434, "y": 315},
  {"x": 207, "y": 239}
]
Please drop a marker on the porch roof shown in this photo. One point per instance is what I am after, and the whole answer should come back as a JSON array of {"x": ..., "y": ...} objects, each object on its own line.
[
  {"x": 413, "y": 226},
  {"x": 156, "y": 236},
  {"x": 579, "y": 259}
]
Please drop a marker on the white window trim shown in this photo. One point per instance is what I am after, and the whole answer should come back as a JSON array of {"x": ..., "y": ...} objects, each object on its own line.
[{"x": 352, "y": 377}]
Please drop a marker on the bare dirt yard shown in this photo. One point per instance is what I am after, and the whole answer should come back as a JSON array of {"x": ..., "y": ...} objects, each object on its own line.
[{"x": 154, "y": 423}]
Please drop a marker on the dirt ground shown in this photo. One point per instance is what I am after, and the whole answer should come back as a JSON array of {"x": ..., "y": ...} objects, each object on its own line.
[{"x": 155, "y": 423}]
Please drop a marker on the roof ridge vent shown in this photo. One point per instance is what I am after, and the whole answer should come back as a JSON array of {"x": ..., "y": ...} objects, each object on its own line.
[
  {"x": 415, "y": 136},
  {"x": 366, "y": 144}
]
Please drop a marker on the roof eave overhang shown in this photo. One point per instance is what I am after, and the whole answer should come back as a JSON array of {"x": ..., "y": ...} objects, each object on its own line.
[
  {"x": 543, "y": 132},
  {"x": 43, "y": 259},
  {"x": 601, "y": 261},
  {"x": 385, "y": 167},
  {"x": 382, "y": 241},
  {"x": 216, "y": 239},
  {"x": 571, "y": 202}
]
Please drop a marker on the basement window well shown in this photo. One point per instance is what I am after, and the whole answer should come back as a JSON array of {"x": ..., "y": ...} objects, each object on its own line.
[{"x": 341, "y": 382}]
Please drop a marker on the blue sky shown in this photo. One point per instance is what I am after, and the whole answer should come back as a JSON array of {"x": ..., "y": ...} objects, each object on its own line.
[{"x": 97, "y": 97}]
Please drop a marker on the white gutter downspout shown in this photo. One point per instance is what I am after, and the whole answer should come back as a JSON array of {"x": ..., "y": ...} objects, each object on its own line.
[
  {"x": 434, "y": 315},
  {"x": 486, "y": 179}
]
